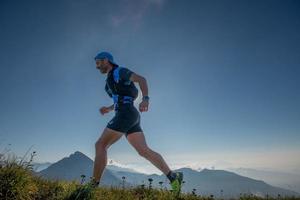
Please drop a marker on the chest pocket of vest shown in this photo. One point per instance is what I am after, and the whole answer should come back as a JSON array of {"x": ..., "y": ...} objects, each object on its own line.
[{"x": 108, "y": 90}]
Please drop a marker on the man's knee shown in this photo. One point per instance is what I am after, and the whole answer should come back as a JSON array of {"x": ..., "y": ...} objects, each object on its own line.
[
  {"x": 144, "y": 151},
  {"x": 101, "y": 146}
]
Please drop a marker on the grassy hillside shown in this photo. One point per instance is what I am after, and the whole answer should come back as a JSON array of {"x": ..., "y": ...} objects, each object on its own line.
[{"x": 17, "y": 181}]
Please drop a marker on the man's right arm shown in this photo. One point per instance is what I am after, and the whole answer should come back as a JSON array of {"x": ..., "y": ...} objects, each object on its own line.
[
  {"x": 105, "y": 109},
  {"x": 111, "y": 107}
]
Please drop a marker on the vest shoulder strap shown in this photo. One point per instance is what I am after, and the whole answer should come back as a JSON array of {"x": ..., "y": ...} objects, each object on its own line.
[{"x": 116, "y": 74}]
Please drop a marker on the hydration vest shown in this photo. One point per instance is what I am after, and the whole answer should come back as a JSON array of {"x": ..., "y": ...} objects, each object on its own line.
[{"x": 120, "y": 90}]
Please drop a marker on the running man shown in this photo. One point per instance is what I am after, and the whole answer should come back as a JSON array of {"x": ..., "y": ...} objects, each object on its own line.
[{"x": 120, "y": 87}]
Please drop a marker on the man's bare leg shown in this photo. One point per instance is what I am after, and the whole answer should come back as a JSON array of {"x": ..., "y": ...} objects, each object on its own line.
[
  {"x": 107, "y": 138},
  {"x": 137, "y": 140}
]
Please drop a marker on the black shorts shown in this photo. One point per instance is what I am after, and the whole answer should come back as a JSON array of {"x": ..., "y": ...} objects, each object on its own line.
[{"x": 126, "y": 119}]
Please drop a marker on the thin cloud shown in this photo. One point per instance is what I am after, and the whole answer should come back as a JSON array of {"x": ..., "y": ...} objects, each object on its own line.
[{"x": 133, "y": 11}]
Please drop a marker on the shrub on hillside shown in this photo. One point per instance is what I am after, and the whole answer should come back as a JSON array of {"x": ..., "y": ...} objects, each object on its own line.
[{"x": 16, "y": 182}]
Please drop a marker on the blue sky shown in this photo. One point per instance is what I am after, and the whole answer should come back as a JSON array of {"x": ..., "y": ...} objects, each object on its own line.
[{"x": 223, "y": 79}]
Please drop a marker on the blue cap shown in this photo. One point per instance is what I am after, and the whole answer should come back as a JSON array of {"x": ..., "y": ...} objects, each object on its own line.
[{"x": 106, "y": 55}]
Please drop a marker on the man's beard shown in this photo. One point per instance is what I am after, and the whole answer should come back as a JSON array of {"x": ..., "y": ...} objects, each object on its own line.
[{"x": 104, "y": 70}]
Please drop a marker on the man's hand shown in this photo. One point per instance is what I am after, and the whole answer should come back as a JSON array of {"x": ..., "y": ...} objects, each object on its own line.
[
  {"x": 105, "y": 109},
  {"x": 144, "y": 106}
]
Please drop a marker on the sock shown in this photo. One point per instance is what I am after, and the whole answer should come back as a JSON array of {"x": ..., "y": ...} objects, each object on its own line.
[
  {"x": 95, "y": 183},
  {"x": 171, "y": 176}
]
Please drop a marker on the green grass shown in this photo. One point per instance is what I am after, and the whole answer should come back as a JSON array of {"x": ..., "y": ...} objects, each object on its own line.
[{"x": 17, "y": 182}]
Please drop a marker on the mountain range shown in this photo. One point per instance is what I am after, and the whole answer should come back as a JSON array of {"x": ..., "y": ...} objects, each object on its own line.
[
  {"x": 220, "y": 183},
  {"x": 285, "y": 180}
]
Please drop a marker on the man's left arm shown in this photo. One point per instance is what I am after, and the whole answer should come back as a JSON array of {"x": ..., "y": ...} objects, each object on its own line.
[{"x": 144, "y": 88}]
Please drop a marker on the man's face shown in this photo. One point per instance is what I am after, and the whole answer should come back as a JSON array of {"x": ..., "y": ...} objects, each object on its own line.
[{"x": 102, "y": 65}]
